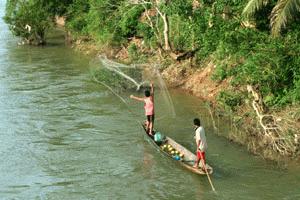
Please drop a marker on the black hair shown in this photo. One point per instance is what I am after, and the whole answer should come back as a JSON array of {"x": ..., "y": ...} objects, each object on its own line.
[
  {"x": 147, "y": 93},
  {"x": 197, "y": 122}
]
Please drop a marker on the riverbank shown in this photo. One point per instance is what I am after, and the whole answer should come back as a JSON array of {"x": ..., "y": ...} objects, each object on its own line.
[
  {"x": 239, "y": 69},
  {"x": 272, "y": 134},
  {"x": 66, "y": 137}
]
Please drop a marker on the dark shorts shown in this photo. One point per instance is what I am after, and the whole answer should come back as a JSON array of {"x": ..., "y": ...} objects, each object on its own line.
[{"x": 150, "y": 118}]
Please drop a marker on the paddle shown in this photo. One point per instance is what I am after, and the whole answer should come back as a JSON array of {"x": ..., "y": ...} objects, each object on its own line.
[{"x": 212, "y": 187}]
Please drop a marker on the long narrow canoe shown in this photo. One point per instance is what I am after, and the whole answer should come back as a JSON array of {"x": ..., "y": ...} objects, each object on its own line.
[{"x": 188, "y": 158}]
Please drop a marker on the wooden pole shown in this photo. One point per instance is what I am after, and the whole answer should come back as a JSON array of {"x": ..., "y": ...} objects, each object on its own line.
[{"x": 208, "y": 177}]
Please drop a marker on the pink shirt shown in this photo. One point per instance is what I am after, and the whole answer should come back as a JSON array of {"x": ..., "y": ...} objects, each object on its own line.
[{"x": 149, "y": 106}]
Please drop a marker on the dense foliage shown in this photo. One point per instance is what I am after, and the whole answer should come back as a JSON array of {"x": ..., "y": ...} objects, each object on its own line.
[
  {"x": 243, "y": 50},
  {"x": 282, "y": 12},
  {"x": 33, "y": 18}
]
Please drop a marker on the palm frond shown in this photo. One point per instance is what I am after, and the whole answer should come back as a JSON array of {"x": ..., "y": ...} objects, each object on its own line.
[
  {"x": 253, "y": 6},
  {"x": 284, "y": 11}
]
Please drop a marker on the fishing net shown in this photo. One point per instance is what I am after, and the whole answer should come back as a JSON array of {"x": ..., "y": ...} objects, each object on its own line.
[
  {"x": 118, "y": 76},
  {"x": 121, "y": 79}
]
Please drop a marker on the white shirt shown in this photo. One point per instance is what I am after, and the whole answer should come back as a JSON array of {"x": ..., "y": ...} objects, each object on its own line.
[{"x": 200, "y": 135}]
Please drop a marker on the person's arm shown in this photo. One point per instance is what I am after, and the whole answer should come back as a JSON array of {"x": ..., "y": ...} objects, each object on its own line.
[
  {"x": 198, "y": 139},
  {"x": 152, "y": 89},
  {"x": 201, "y": 136},
  {"x": 198, "y": 144},
  {"x": 136, "y": 98}
]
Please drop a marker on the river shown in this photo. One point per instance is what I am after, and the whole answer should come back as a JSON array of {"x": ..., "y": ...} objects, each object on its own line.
[{"x": 63, "y": 136}]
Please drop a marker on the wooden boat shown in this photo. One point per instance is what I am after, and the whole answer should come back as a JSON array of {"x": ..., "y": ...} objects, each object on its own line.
[{"x": 188, "y": 158}]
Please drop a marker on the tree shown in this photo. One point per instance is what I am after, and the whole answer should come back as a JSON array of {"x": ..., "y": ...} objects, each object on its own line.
[
  {"x": 31, "y": 19},
  {"x": 57, "y": 7},
  {"x": 158, "y": 6},
  {"x": 282, "y": 12},
  {"x": 28, "y": 19}
]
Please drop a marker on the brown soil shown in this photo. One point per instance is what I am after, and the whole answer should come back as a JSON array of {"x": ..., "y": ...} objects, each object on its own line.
[{"x": 196, "y": 81}]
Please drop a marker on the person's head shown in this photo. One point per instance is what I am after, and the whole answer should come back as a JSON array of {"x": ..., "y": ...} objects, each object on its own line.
[
  {"x": 147, "y": 93},
  {"x": 197, "y": 122}
]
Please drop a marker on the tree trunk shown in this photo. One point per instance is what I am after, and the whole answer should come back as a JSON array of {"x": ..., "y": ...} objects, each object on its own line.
[
  {"x": 166, "y": 32},
  {"x": 166, "y": 29}
]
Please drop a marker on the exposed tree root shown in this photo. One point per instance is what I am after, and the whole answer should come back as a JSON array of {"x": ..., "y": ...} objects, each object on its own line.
[{"x": 276, "y": 132}]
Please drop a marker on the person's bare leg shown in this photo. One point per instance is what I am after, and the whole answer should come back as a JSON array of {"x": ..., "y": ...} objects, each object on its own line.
[
  {"x": 150, "y": 128},
  {"x": 203, "y": 165},
  {"x": 147, "y": 126},
  {"x": 196, "y": 162}
]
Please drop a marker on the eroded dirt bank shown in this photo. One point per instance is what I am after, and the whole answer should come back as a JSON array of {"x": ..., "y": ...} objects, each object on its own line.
[{"x": 271, "y": 134}]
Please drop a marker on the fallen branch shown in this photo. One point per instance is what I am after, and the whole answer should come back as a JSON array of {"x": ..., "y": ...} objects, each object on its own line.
[{"x": 269, "y": 125}]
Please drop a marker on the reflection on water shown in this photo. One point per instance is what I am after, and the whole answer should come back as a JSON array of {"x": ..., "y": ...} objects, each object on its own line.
[{"x": 66, "y": 137}]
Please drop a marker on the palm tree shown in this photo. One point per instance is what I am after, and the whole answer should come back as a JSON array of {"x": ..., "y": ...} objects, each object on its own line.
[{"x": 283, "y": 11}]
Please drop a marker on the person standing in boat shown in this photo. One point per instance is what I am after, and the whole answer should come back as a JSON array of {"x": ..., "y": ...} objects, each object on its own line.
[
  {"x": 149, "y": 108},
  {"x": 201, "y": 143}
]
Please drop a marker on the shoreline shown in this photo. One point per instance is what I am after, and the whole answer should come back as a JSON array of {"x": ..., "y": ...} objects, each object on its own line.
[{"x": 198, "y": 82}]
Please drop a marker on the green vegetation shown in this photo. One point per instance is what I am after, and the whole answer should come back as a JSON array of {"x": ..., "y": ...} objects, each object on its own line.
[
  {"x": 229, "y": 100},
  {"x": 244, "y": 50},
  {"x": 236, "y": 35},
  {"x": 282, "y": 12},
  {"x": 33, "y": 18},
  {"x": 216, "y": 29}
]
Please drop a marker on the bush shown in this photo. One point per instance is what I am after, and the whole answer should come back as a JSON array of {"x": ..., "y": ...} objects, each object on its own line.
[
  {"x": 77, "y": 16},
  {"x": 133, "y": 52},
  {"x": 28, "y": 20},
  {"x": 220, "y": 73},
  {"x": 229, "y": 100},
  {"x": 129, "y": 21}
]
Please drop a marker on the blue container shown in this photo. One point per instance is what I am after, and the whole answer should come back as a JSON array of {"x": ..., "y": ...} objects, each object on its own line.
[{"x": 176, "y": 157}]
